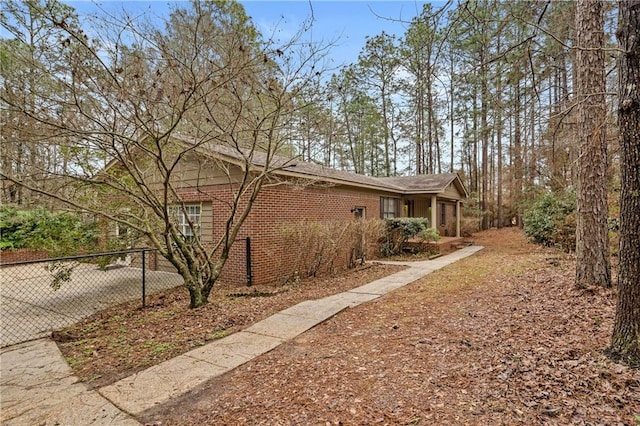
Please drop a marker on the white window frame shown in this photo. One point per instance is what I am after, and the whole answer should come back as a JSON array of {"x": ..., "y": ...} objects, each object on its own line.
[{"x": 194, "y": 213}]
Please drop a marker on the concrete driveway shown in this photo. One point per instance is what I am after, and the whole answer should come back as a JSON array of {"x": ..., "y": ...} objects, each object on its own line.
[{"x": 30, "y": 308}]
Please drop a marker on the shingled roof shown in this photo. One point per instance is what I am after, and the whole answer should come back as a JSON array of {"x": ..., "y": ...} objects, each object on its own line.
[
  {"x": 426, "y": 183},
  {"x": 434, "y": 183},
  {"x": 303, "y": 169},
  {"x": 296, "y": 168}
]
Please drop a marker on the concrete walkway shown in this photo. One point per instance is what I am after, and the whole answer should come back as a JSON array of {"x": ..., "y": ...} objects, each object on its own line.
[{"x": 38, "y": 387}]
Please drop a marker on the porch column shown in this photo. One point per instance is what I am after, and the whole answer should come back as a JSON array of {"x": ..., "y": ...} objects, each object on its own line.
[
  {"x": 434, "y": 216},
  {"x": 458, "y": 214}
]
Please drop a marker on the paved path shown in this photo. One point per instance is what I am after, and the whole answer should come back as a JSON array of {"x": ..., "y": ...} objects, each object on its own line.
[{"x": 38, "y": 387}]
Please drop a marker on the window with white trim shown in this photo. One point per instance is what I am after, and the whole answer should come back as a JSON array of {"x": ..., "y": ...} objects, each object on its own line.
[{"x": 190, "y": 213}]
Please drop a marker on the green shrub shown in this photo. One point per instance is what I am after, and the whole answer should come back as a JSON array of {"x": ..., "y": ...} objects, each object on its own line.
[
  {"x": 549, "y": 220},
  {"x": 565, "y": 233},
  {"x": 429, "y": 234},
  {"x": 399, "y": 230},
  {"x": 60, "y": 234}
]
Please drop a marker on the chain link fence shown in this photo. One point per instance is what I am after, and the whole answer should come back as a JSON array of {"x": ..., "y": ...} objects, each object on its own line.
[{"x": 40, "y": 296}]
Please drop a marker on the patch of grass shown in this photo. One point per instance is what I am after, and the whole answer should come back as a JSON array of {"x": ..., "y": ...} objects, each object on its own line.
[
  {"x": 92, "y": 326},
  {"x": 117, "y": 341},
  {"x": 167, "y": 314},
  {"x": 162, "y": 347},
  {"x": 157, "y": 347},
  {"x": 219, "y": 334},
  {"x": 72, "y": 361}
]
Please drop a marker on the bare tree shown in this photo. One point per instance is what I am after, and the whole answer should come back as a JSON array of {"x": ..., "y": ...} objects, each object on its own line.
[
  {"x": 28, "y": 151},
  {"x": 157, "y": 101},
  {"x": 592, "y": 242},
  {"x": 625, "y": 342}
]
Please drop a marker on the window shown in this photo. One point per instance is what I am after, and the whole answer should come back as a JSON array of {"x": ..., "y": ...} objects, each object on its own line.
[
  {"x": 443, "y": 214},
  {"x": 191, "y": 212},
  {"x": 388, "y": 207},
  {"x": 358, "y": 212},
  {"x": 123, "y": 233}
]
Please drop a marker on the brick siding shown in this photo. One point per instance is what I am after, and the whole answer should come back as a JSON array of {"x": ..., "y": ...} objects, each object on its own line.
[
  {"x": 22, "y": 255},
  {"x": 274, "y": 208}
]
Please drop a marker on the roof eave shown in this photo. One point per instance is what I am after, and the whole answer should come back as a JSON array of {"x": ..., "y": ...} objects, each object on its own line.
[{"x": 335, "y": 181}]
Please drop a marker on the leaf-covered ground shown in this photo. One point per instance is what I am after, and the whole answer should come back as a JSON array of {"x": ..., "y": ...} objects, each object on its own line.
[
  {"x": 118, "y": 342},
  {"x": 502, "y": 337}
]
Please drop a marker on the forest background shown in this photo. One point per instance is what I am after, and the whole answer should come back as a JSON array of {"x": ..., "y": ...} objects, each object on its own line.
[
  {"x": 519, "y": 98},
  {"x": 485, "y": 89}
]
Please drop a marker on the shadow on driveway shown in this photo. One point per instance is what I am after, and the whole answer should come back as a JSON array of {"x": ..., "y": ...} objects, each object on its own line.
[{"x": 30, "y": 308}]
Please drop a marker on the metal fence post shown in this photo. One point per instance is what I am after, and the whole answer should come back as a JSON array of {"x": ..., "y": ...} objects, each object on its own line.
[
  {"x": 87, "y": 283},
  {"x": 144, "y": 279},
  {"x": 248, "y": 262}
]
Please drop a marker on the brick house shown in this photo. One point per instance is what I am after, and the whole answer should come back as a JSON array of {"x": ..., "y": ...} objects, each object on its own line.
[{"x": 298, "y": 191}]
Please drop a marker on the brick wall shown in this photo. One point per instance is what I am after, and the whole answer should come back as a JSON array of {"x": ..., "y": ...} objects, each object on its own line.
[
  {"x": 274, "y": 208},
  {"x": 22, "y": 255}
]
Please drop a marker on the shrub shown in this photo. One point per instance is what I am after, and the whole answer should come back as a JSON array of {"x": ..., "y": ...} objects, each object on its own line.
[
  {"x": 429, "y": 234},
  {"x": 399, "y": 230},
  {"x": 471, "y": 219},
  {"x": 548, "y": 222},
  {"x": 58, "y": 233},
  {"x": 565, "y": 234},
  {"x": 469, "y": 226},
  {"x": 322, "y": 247}
]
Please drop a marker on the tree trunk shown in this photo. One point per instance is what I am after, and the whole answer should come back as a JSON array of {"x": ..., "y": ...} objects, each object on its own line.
[
  {"x": 484, "y": 134},
  {"x": 517, "y": 155},
  {"x": 625, "y": 342},
  {"x": 592, "y": 241},
  {"x": 451, "y": 112},
  {"x": 474, "y": 166},
  {"x": 532, "y": 152},
  {"x": 196, "y": 298},
  {"x": 500, "y": 212}
]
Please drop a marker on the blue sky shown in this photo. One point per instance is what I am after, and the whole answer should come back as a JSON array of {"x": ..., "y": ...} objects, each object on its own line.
[{"x": 346, "y": 22}]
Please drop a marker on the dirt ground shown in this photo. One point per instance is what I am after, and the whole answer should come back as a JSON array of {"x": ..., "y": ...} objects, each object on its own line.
[
  {"x": 122, "y": 340},
  {"x": 502, "y": 337}
]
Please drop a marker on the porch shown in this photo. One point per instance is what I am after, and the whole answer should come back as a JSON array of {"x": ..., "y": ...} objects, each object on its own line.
[{"x": 443, "y": 214}]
